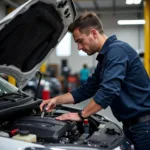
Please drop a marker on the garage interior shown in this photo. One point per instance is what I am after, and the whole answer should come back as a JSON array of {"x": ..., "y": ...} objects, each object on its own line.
[{"x": 110, "y": 12}]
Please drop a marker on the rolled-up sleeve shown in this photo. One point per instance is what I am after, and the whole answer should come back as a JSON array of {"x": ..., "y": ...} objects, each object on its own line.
[{"x": 115, "y": 67}]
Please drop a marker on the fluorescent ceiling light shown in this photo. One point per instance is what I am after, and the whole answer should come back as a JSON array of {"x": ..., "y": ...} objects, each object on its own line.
[
  {"x": 137, "y": 1},
  {"x": 131, "y": 22},
  {"x": 130, "y": 2}
]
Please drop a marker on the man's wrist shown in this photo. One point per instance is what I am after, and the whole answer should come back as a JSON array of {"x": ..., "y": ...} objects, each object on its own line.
[{"x": 80, "y": 115}]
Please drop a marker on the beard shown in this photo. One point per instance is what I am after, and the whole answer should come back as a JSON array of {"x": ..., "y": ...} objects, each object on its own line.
[
  {"x": 89, "y": 54},
  {"x": 91, "y": 51}
]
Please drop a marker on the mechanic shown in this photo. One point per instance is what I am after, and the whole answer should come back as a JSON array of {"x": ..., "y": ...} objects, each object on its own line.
[{"x": 119, "y": 81}]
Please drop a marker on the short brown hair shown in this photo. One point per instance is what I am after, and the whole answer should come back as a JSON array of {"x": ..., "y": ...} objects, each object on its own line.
[{"x": 85, "y": 21}]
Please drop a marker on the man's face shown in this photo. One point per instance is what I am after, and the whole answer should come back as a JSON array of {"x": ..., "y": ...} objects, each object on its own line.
[{"x": 86, "y": 43}]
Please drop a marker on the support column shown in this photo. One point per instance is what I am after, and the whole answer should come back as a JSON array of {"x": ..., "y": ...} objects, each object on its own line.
[
  {"x": 147, "y": 36},
  {"x": 43, "y": 68}
]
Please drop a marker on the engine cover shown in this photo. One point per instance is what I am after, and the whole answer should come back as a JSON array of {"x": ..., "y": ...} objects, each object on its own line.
[{"x": 47, "y": 129}]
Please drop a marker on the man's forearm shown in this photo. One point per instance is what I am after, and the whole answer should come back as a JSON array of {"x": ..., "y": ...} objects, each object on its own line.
[
  {"x": 91, "y": 108},
  {"x": 64, "y": 99}
]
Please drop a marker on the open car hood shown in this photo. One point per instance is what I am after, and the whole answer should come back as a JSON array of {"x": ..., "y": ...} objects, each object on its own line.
[{"x": 30, "y": 33}]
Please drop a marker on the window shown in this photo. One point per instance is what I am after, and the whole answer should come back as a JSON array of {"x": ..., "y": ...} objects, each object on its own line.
[
  {"x": 64, "y": 47},
  {"x": 81, "y": 53}
]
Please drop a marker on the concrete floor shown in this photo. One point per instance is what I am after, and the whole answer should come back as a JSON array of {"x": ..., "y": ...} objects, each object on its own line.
[{"x": 106, "y": 113}]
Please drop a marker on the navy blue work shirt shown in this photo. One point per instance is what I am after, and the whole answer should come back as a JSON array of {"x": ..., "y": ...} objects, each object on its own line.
[{"x": 119, "y": 81}]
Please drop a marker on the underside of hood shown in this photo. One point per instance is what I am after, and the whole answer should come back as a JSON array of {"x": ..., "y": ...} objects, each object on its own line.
[
  {"x": 36, "y": 25},
  {"x": 29, "y": 38}
]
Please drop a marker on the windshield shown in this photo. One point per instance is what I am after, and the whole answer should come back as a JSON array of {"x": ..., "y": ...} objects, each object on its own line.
[{"x": 6, "y": 87}]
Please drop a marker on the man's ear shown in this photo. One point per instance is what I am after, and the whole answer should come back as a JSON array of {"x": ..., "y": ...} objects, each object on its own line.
[{"x": 94, "y": 33}]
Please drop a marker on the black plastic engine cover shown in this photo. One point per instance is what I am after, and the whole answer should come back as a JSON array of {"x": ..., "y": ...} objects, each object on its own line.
[{"x": 47, "y": 129}]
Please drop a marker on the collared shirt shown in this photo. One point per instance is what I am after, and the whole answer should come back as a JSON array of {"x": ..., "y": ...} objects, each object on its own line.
[{"x": 119, "y": 81}]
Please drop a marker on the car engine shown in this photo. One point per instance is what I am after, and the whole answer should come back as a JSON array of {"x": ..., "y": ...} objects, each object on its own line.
[
  {"x": 46, "y": 129},
  {"x": 96, "y": 131}
]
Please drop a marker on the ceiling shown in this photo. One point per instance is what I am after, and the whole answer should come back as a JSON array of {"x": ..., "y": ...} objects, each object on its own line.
[{"x": 99, "y": 6}]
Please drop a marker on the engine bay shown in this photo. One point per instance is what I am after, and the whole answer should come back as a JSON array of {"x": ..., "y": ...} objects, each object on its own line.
[{"x": 96, "y": 131}]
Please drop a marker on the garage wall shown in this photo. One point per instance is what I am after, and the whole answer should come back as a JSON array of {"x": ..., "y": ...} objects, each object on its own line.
[
  {"x": 2, "y": 11},
  {"x": 131, "y": 34}
]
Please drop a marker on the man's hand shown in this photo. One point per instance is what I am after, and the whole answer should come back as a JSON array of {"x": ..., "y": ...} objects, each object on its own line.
[
  {"x": 62, "y": 99},
  {"x": 69, "y": 116},
  {"x": 51, "y": 104}
]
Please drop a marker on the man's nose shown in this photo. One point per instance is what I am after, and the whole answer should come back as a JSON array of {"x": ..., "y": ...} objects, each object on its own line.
[{"x": 79, "y": 47}]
